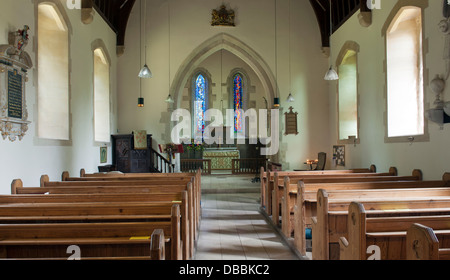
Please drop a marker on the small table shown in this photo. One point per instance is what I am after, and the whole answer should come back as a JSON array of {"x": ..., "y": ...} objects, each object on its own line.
[{"x": 311, "y": 162}]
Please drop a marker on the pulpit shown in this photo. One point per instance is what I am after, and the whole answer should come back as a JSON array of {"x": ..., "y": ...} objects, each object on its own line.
[{"x": 128, "y": 157}]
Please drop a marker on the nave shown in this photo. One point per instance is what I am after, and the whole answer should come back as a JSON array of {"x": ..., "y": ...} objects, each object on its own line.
[{"x": 232, "y": 228}]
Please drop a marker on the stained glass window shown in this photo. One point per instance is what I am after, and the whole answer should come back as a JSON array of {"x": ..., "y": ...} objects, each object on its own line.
[
  {"x": 201, "y": 89},
  {"x": 238, "y": 90}
]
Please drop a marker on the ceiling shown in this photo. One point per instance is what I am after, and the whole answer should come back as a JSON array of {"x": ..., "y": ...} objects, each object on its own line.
[{"x": 117, "y": 12}]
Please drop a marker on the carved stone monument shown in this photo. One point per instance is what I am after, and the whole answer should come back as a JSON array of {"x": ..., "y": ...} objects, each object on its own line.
[{"x": 14, "y": 64}]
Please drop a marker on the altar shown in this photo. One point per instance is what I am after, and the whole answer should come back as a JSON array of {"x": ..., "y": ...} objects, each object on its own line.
[{"x": 221, "y": 158}]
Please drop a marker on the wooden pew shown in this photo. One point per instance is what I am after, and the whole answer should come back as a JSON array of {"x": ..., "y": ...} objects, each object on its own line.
[
  {"x": 290, "y": 189},
  {"x": 97, "y": 241},
  {"x": 331, "y": 220},
  {"x": 289, "y": 193},
  {"x": 422, "y": 243},
  {"x": 387, "y": 233},
  {"x": 111, "y": 176},
  {"x": 102, "y": 212},
  {"x": 306, "y": 199},
  {"x": 267, "y": 179},
  {"x": 166, "y": 184},
  {"x": 122, "y": 193},
  {"x": 278, "y": 182}
]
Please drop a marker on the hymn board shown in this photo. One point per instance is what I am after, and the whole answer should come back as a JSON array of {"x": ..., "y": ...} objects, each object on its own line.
[{"x": 14, "y": 64}]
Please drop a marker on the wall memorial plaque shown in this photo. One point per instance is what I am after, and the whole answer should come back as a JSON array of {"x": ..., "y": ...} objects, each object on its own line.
[
  {"x": 291, "y": 122},
  {"x": 14, "y": 64},
  {"x": 15, "y": 95}
]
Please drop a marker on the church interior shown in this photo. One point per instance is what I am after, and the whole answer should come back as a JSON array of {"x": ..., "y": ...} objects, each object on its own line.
[{"x": 238, "y": 95}]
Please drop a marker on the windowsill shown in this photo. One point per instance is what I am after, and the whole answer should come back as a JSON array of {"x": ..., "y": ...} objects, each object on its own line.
[
  {"x": 408, "y": 139},
  {"x": 52, "y": 142},
  {"x": 349, "y": 141}
]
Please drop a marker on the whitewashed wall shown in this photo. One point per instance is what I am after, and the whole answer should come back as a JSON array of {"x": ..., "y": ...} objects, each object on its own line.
[
  {"x": 432, "y": 157},
  {"x": 30, "y": 158},
  {"x": 255, "y": 28}
]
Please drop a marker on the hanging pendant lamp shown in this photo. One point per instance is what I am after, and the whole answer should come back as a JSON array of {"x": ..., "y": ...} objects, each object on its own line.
[
  {"x": 145, "y": 71},
  {"x": 169, "y": 99},
  {"x": 290, "y": 98},
  {"x": 331, "y": 74}
]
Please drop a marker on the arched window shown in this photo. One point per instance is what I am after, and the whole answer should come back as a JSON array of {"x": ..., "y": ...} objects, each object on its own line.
[
  {"x": 348, "y": 116},
  {"x": 200, "y": 103},
  {"x": 404, "y": 65},
  {"x": 53, "y": 73},
  {"x": 238, "y": 102},
  {"x": 101, "y": 96}
]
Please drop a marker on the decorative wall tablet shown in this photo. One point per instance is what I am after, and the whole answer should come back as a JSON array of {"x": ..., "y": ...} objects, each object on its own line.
[
  {"x": 14, "y": 64},
  {"x": 291, "y": 122}
]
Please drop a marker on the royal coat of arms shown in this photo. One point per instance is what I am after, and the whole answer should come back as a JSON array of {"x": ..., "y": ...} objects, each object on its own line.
[{"x": 223, "y": 17}]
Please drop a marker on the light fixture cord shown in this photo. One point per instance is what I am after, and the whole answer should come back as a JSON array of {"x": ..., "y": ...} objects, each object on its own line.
[
  {"x": 276, "y": 52},
  {"x": 290, "y": 66},
  {"x": 169, "y": 26},
  {"x": 140, "y": 45}
]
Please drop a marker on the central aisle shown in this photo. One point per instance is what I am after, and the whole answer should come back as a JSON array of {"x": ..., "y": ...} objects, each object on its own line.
[{"x": 232, "y": 227}]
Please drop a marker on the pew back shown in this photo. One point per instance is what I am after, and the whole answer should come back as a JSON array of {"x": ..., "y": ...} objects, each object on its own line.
[
  {"x": 96, "y": 241},
  {"x": 386, "y": 233}
]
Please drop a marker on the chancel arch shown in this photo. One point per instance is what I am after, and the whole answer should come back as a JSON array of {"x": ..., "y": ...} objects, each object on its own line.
[{"x": 214, "y": 45}]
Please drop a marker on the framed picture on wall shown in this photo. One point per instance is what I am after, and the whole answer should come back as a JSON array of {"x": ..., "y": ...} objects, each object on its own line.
[
  {"x": 103, "y": 154},
  {"x": 339, "y": 155}
]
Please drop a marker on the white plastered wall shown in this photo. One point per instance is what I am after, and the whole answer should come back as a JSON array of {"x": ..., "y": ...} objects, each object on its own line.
[
  {"x": 253, "y": 40},
  {"x": 432, "y": 157},
  {"x": 33, "y": 157}
]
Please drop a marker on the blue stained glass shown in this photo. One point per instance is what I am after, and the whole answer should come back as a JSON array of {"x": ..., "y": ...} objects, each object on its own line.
[
  {"x": 200, "y": 103},
  {"x": 238, "y": 89}
]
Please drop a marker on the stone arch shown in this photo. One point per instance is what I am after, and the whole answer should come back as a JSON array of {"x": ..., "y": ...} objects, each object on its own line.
[
  {"x": 236, "y": 47},
  {"x": 203, "y": 51}
]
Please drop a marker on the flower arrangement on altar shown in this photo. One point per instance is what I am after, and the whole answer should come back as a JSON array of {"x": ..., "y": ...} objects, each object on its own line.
[{"x": 195, "y": 146}]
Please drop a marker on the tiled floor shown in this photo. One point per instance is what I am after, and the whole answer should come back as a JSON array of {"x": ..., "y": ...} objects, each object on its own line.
[{"x": 231, "y": 226}]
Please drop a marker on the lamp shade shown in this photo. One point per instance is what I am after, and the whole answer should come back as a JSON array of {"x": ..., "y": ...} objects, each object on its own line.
[
  {"x": 140, "y": 102},
  {"x": 331, "y": 75},
  {"x": 290, "y": 98},
  {"x": 170, "y": 99},
  {"x": 276, "y": 102},
  {"x": 145, "y": 72}
]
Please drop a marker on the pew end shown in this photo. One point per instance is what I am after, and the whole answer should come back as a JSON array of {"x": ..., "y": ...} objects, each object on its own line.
[
  {"x": 393, "y": 171},
  {"x": 16, "y": 184},
  {"x": 354, "y": 247},
  {"x": 446, "y": 177},
  {"x": 418, "y": 173},
  {"x": 43, "y": 180},
  {"x": 300, "y": 219},
  {"x": 320, "y": 229},
  {"x": 157, "y": 245},
  {"x": 422, "y": 243},
  {"x": 65, "y": 175}
]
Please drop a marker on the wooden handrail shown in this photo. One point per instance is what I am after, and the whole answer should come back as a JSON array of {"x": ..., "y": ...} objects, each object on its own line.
[{"x": 160, "y": 164}]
